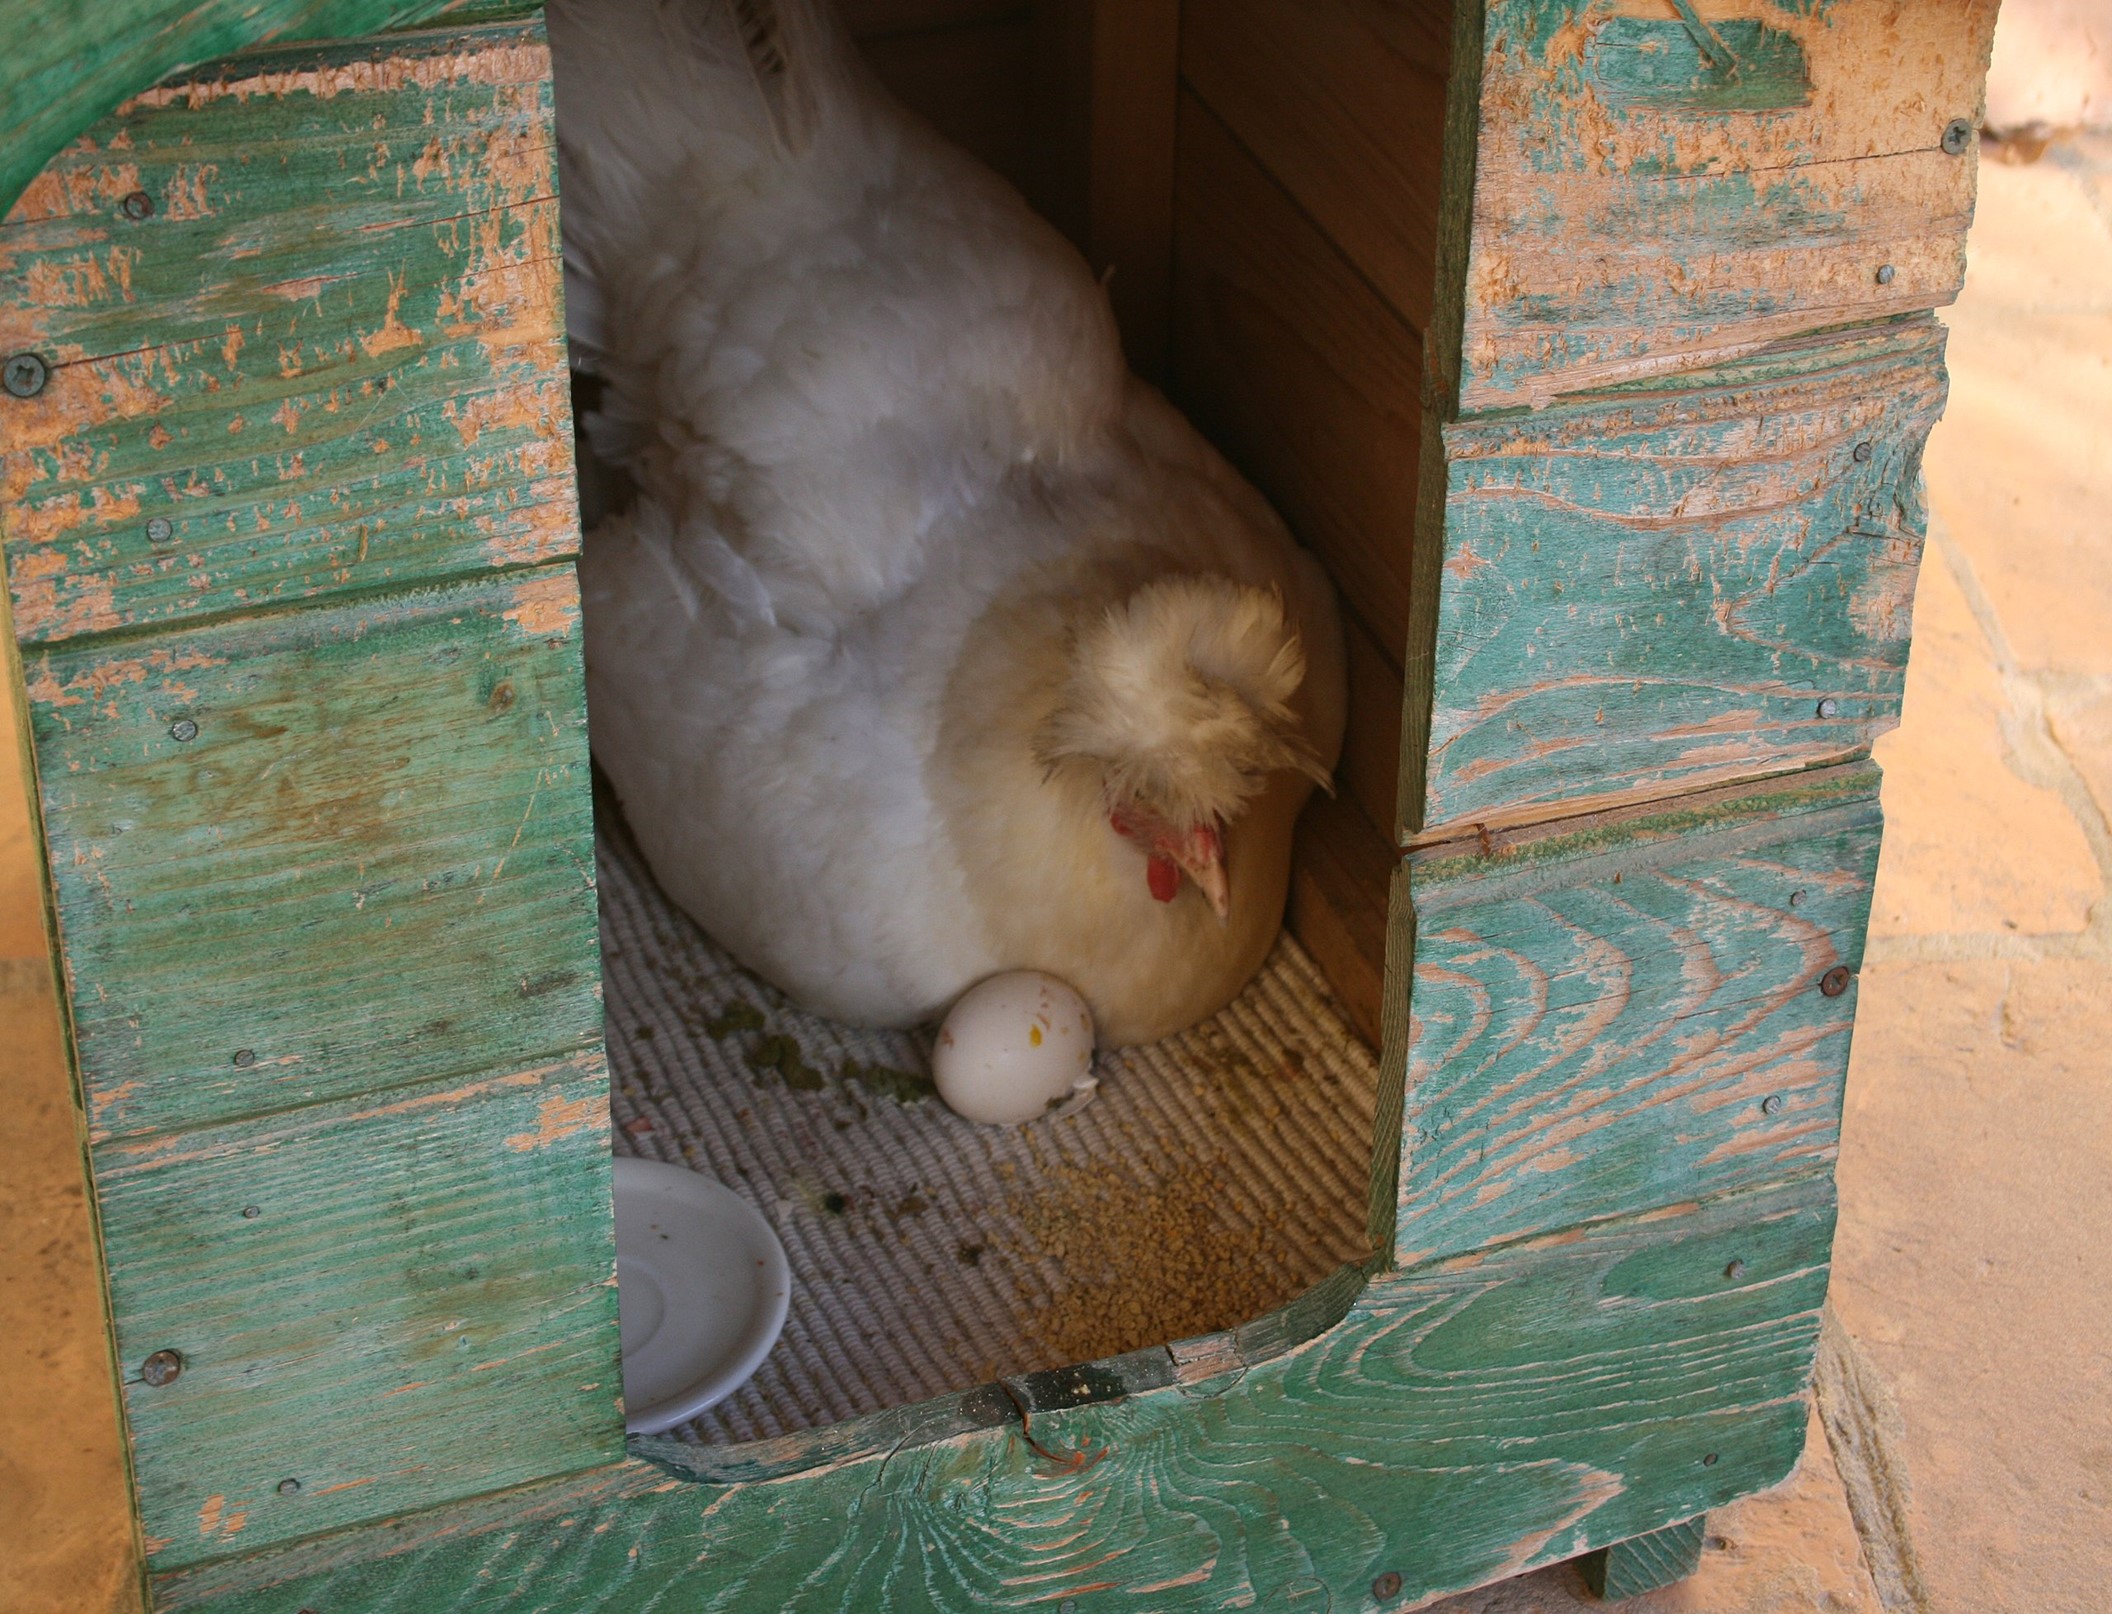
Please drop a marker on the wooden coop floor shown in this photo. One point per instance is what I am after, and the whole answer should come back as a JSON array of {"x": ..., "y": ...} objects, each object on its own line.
[{"x": 1214, "y": 1176}]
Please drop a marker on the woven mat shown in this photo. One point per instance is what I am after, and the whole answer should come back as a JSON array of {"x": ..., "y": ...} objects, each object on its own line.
[{"x": 1214, "y": 1176}]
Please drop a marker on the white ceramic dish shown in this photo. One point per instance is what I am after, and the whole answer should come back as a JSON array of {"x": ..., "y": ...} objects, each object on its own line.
[{"x": 702, "y": 1287}]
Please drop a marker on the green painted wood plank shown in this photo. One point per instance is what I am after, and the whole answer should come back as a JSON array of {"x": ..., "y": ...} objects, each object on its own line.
[
  {"x": 1631, "y": 1013},
  {"x": 330, "y": 359},
  {"x": 1462, "y": 1423},
  {"x": 1637, "y": 212},
  {"x": 61, "y": 68},
  {"x": 370, "y": 863},
  {"x": 1658, "y": 588},
  {"x": 1646, "y": 1563},
  {"x": 390, "y": 1301}
]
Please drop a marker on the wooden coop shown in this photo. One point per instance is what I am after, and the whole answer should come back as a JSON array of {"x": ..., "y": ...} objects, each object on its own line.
[{"x": 1590, "y": 345}]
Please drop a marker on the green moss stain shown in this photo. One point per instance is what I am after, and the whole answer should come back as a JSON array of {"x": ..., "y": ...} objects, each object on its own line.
[{"x": 902, "y": 1086}]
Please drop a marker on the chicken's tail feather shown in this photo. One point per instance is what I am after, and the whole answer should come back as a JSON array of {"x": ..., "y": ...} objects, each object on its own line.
[{"x": 666, "y": 104}]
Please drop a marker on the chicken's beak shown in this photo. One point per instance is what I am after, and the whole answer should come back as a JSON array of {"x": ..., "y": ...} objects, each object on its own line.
[{"x": 1202, "y": 859}]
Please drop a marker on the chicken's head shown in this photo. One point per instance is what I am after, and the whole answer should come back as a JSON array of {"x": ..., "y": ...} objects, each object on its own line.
[{"x": 1181, "y": 698}]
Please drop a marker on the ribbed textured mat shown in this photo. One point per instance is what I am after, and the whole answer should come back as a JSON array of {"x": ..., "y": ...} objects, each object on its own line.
[{"x": 1215, "y": 1175}]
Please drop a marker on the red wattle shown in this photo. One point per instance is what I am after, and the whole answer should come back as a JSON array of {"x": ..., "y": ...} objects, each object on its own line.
[{"x": 1164, "y": 876}]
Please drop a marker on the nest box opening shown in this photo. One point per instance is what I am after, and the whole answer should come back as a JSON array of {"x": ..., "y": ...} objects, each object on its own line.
[{"x": 1221, "y": 1174}]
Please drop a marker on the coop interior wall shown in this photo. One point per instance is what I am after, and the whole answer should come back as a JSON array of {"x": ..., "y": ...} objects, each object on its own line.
[{"x": 1260, "y": 187}]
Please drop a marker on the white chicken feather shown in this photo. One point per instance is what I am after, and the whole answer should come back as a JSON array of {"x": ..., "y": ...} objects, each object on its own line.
[{"x": 934, "y": 644}]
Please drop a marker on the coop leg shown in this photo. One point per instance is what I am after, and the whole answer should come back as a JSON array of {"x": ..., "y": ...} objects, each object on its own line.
[{"x": 1644, "y": 1563}]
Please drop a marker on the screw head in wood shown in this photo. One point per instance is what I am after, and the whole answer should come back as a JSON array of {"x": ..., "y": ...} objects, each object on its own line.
[
  {"x": 289, "y": 1487},
  {"x": 24, "y": 375},
  {"x": 1829, "y": 707},
  {"x": 1734, "y": 1271},
  {"x": 1957, "y": 137},
  {"x": 1835, "y": 981},
  {"x": 163, "y": 1367},
  {"x": 1386, "y": 1587},
  {"x": 1863, "y": 451},
  {"x": 1709, "y": 1461},
  {"x": 251, "y": 1212},
  {"x": 138, "y": 205},
  {"x": 1885, "y": 272},
  {"x": 1771, "y": 1105},
  {"x": 159, "y": 531},
  {"x": 244, "y": 1058},
  {"x": 183, "y": 731}
]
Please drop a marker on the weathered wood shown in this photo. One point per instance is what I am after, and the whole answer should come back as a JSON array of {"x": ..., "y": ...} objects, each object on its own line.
[
  {"x": 393, "y": 1301},
  {"x": 1342, "y": 102},
  {"x": 1636, "y": 210},
  {"x": 1652, "y": 589},
  {"x": 1636, "y": 1012},
  {"x": 62, "y": 68},
  {"x": 1298, "y": 369},
  {"x": 1645, "y": 1563},
  {"x": 330, "y": 360},
  {"x": 1505, "y": 1410},
  {"x": 370, "y": 863}
]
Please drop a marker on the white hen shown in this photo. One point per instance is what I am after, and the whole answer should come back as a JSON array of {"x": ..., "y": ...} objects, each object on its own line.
[{"x": 934, "y": 643}]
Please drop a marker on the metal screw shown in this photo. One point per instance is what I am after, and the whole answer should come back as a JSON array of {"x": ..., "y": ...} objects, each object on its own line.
[
  {"x": 1885, "y": 272},
  {"x": 139, "y": 205},
  {"x": 183, "y": 731},
  {"x": 24, "y": 375},
  {"x": 251, "y": 1212},
  {"x": 161, "y": 1368},
  {"x": 1829, "y": 707},
  {"x": 1796, "y": 899},
  {"x": 244, "y": 1058},
  {"x": 1709, "y": 1461},
  {"x": 1734, "y": 1271},
  {"x": 1771, "y": 1105},
  {"x": 159, "y": 531},
  {"x": 1863, "y": 451},
  {"x": 1386, "y": 1587},
  {"x": 1957, "y": 137},
  {"x": 289, "y": 1487},
  {"x": 1835, "y": 981}
]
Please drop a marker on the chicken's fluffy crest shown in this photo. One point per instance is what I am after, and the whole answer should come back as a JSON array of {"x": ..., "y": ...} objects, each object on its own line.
[{"x": 1181, "y": 696}]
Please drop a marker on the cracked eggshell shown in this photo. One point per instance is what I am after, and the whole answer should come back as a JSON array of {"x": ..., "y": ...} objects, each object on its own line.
[{"x": 1012, "y": 1048}]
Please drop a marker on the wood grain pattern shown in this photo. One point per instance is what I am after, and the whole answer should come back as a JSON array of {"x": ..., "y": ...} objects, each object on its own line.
[
  {"x": 331, "y": 359},
  {"x": 1297, "y": 369},
  {"x": 1617, "y": 234},
  {"x": 371, "y": 865},
  {"x": 1646, "y": 1563},
  {"x": 1342, "y": 102},
  {"x": 392, "y": 1301},
  {"x": 1707, "y": 577},
  {"x": 1631, "y": 1013},
  {"x": 63, "y": 67},
  {"x": 1467, "y": 1422}
]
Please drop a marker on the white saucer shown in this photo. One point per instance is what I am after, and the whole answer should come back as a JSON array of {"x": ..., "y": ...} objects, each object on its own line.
[{"x": 701, "y": 1288}]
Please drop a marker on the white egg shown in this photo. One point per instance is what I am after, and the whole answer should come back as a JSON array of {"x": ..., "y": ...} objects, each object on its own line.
[{"x": 1014, "y": 1047}]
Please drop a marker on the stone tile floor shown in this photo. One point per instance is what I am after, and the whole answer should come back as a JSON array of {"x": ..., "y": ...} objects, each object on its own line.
[{"x": 1966, "y": 1392}]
